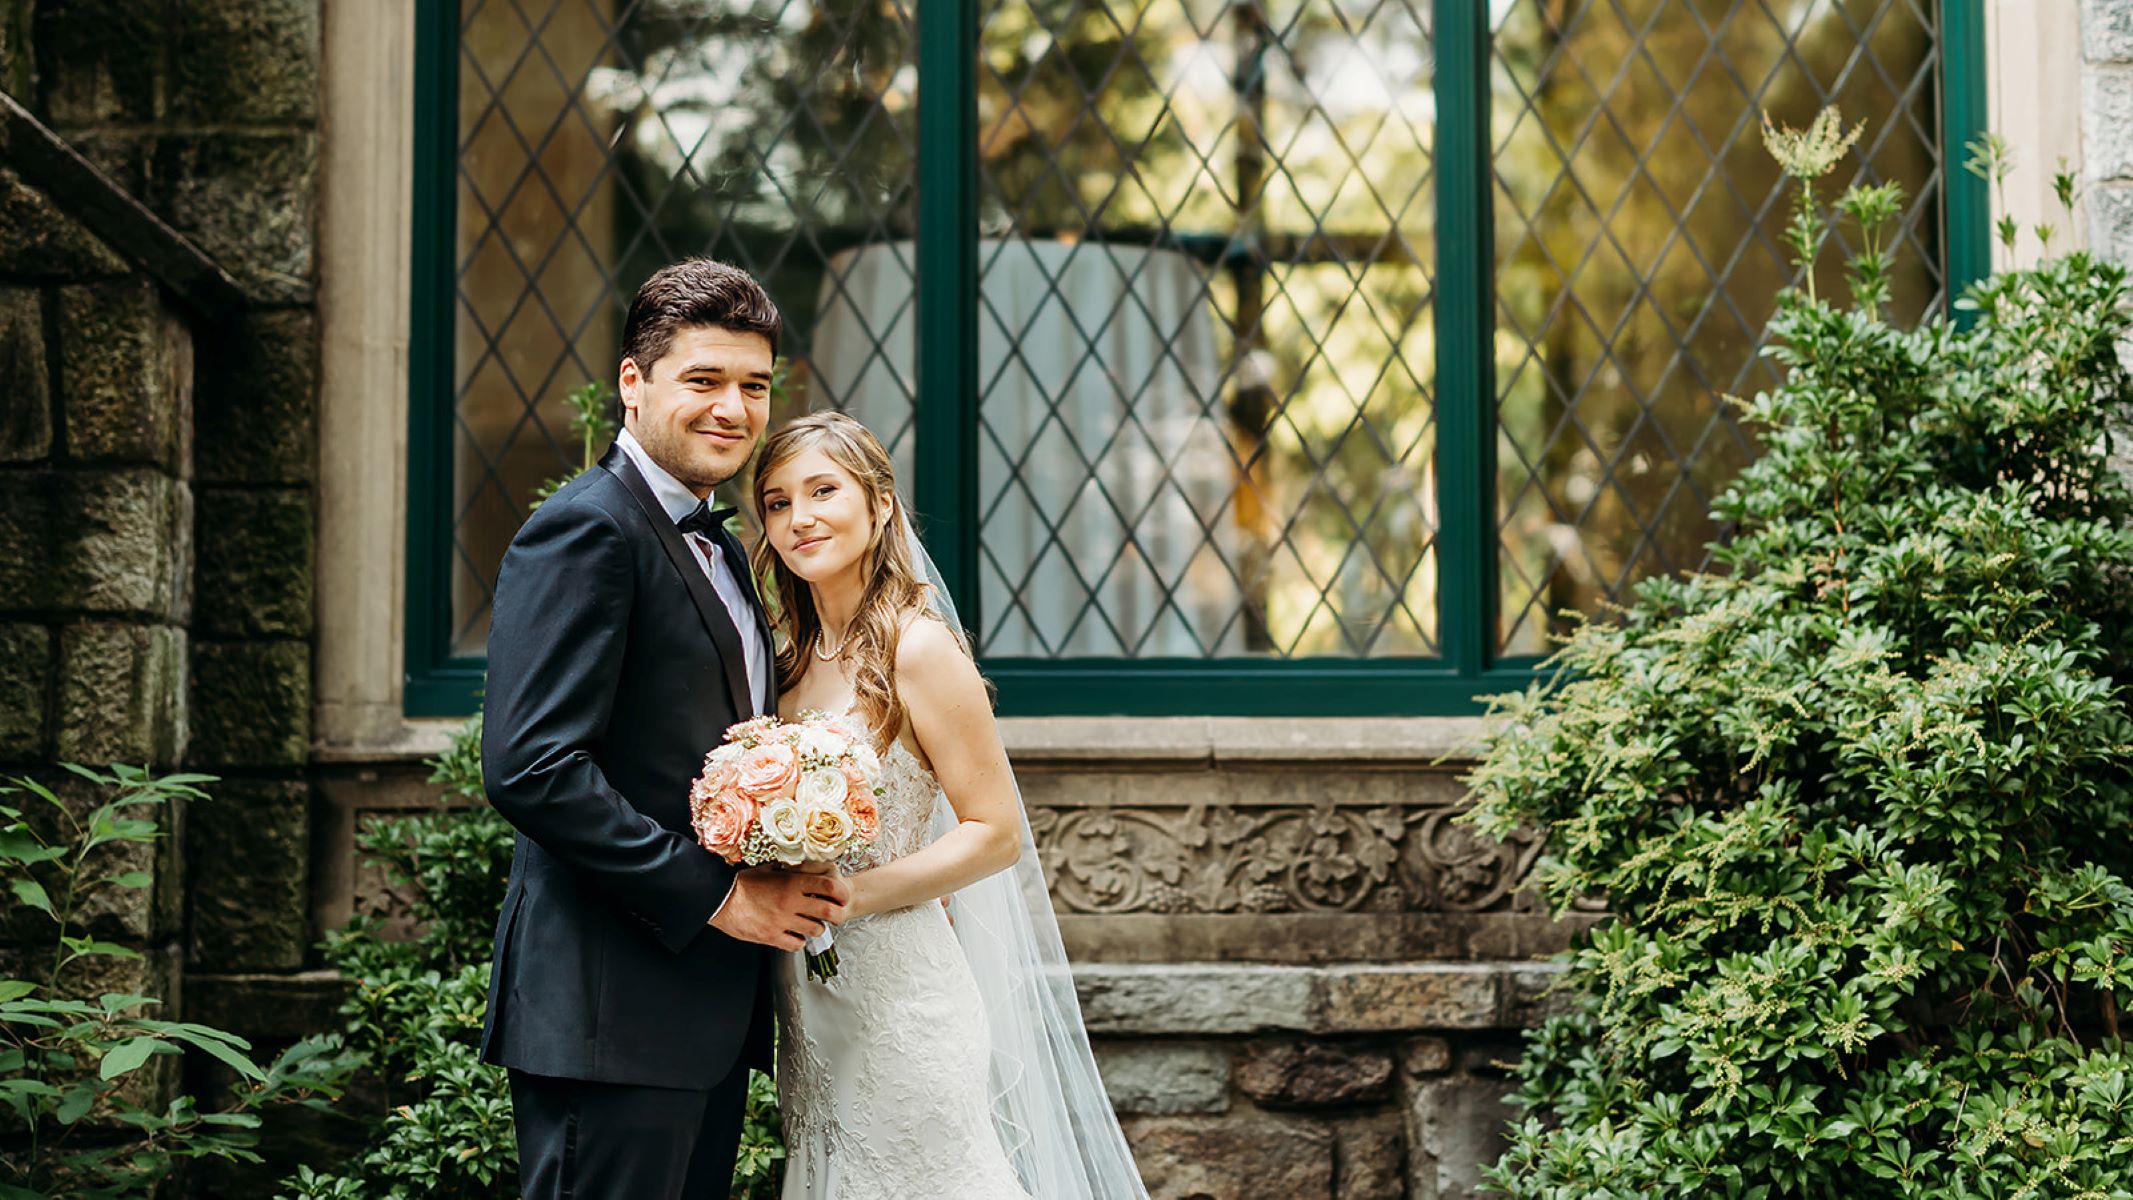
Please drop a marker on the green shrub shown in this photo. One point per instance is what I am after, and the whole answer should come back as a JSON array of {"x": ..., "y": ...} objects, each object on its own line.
[
  {"x": 87, "y": 1119},
  {"x": 1859, "y": 799}
]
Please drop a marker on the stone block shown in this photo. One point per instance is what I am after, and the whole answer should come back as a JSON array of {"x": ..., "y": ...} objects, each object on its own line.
[
  {"x": 276, "y": 1007},
  {"x": 101, "y": 60},
  {"x": 1312, "y": 1074},
  {"x": 251, "y": 704},
  {"x": 258, "y": 400},
  {"x": 1455, "y": 1126},
  {"x": 1366, "y": 999},
  {"x": 1370, "y": 1158},
  {"x": 248, "y": 853},
  {"x": 248, "y": 199},
  {"x": 1161, "y": 1078},
  {"x": 1243, "y": 1155},
  {"x": 100, "y": 542},
  {"x": 125, "y": 540},
  {"x": 17, "y": 70},
  {"x": 2107, "y": 31},
  {"x": 25, "y": 692},
  {"x": 1193, "y": 998},
  {"x": 2110, "y": 207},
  {"x": 125, "y": 376},
  {"x": 121, "y": 694},
  {"x": 1533, "y": 992},
  {"x": 253, "y": 565},
  {"x": 2107, "y": 122},
  {"x": 38, "y": 241},
  {"x": 1427, "y": 1056},
  {"x": 25, "y": 378},
  {"x": 255, "y": 61}
]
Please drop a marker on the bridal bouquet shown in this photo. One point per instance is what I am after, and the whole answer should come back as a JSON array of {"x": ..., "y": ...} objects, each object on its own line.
[{"x": 801, "y": 794}]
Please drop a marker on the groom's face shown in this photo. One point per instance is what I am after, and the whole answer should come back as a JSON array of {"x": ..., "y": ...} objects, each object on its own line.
[{"x": 700, "y": 409}]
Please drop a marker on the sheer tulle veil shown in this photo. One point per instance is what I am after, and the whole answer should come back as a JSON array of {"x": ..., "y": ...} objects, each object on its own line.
[{"x": 1048, "y": 1103}]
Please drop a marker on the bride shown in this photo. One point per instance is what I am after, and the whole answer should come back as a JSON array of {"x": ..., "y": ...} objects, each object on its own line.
[{"x": 946, "y": 1058}]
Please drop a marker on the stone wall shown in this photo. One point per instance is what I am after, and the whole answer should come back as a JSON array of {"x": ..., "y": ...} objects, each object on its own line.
[
  {"x": 207, "y": 112},
  {"x": 96, "y": 399},
  {"x": 2107, "y": 124}
]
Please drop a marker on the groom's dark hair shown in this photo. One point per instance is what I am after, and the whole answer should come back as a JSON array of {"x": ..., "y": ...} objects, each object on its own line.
[{"x": 695, "y": 291}]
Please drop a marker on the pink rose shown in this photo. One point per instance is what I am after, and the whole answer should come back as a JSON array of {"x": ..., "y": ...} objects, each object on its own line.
[
  {"x": 721, "y": 824},
  {"x": 866, "y": 817},
  {"x": 765, "y": 772}
]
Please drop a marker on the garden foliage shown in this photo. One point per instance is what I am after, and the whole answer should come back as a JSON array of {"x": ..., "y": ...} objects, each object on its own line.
[
  {"x": 87, "y": 1073},
  {"x": 1858, "y": 799}
]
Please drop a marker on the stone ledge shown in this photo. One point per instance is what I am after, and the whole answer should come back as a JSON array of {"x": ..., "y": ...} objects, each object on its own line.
[
  {"x": 1215, "y": 998},
  {"x": 1115, "y": 741},
  {"x": 1132, "y": 1000}
]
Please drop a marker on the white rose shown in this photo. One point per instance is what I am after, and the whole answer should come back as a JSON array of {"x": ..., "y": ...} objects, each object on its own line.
[
  {"x": 785, "y": 824},
  {"x": 869, "y": 762},
  {"x": 820, "y": 743},
  {"x": 822, "y": 789}
]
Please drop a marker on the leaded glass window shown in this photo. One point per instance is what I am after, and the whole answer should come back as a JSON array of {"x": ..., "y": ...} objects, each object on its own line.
[{"x": 1304, "y": 355}]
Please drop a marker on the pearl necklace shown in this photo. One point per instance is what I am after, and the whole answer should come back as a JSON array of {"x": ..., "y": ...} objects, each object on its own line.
[{"x": 833, "y": 655}]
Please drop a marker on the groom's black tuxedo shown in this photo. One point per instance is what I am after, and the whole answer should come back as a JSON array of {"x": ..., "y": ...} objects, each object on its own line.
[{"x": 613, "y": 668}]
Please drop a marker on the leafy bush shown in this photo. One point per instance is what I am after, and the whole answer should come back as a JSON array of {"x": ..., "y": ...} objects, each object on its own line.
[
  {"x": 1858, "y": 801},
  {"x": 75, "y": 1070},
  {"x": 416, "y": 1002}
]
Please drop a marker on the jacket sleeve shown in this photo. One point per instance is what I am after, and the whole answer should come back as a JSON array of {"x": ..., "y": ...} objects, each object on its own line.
[{"x": 557, "y": 633}]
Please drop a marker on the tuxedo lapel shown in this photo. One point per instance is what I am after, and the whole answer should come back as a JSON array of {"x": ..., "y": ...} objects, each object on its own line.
[
  {"x": 717, "y": 622},
  {"x": 746, "y": 575}
]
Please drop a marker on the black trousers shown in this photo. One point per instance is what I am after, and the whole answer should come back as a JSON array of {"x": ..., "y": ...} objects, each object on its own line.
[{"x": 579, "y": 1140}]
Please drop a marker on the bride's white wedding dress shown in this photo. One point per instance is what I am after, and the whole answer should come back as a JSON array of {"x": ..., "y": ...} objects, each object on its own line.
[{"x": 882, "y": 1071}]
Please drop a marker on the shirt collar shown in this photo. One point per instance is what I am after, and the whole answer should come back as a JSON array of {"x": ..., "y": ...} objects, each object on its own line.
[{"x": 674, "y": 496}]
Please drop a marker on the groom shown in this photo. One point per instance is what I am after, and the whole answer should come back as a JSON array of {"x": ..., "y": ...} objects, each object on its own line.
[{"x": 632, "y": 979}]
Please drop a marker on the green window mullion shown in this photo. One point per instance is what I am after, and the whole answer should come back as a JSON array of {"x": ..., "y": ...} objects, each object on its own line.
[
  {"x": 436, "y": 684},
  {"x": 1465, "y": 316},
  {"x": 946, "y": 417},
  {"x": 1967, "y": 208}
]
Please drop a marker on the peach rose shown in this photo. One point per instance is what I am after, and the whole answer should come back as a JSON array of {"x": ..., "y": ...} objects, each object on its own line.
[
  {"x": 865, "y": 814},
  {"x": 856, "y": 782},
  {"x": 722, "y": 824},
  {"x": 827, "y": 831},
  {"x": 766, "y": 772}
]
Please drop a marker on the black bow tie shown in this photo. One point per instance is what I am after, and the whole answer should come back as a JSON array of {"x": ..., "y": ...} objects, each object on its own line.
[{"x": 704, "y": 520}]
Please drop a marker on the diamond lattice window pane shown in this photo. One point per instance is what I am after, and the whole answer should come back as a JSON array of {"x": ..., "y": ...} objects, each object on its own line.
[
  {"x": 600, "y": 140},
  {"x": 1205, "y": 328},
  {"x": 1637, "y": 223}
]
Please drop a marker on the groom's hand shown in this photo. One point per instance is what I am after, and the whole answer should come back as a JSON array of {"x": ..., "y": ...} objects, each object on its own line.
[{"x": 781, "y": 909}]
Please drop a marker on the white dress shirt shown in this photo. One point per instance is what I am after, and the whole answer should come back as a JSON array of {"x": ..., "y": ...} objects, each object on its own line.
[{"x": 679, "y": 502}]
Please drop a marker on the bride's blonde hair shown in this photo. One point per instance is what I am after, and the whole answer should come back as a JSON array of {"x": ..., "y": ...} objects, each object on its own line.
[{"x": 894, "y": 592}]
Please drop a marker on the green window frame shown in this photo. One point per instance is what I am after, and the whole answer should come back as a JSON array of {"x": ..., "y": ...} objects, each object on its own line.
[{"x": 440, "y": 683}]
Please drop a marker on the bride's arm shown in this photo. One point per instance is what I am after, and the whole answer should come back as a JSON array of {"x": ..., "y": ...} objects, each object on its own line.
[{"x": 951, "y": 717}]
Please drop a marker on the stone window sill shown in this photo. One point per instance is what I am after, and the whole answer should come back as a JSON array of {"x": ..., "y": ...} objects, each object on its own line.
[{"x": 1137, "y": 741}]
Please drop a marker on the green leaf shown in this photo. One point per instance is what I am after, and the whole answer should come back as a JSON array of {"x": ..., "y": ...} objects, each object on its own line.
[
  {"x": 230, "y": 1056},
  {"x": 15, "y": 989},
  {"x": 80, "y": 1098},
  {"x": 31, "y": 892},
  {"x": 127, "y": 1055}
]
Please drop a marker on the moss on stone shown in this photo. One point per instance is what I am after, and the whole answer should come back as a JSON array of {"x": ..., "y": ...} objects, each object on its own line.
[
  {"x": 25, "y": 378},
  {"x": 121, "y": 694},
  {"x": 126, "y": 376},
  {"x": 25, "y": 691},
  {"x": 248, "y": 856},
  {"x": 251, "y": 704},
  {"x": 38, "y": 241},
  {"x": 257, "y": 399},
  {"x": 254, "y": 567}
]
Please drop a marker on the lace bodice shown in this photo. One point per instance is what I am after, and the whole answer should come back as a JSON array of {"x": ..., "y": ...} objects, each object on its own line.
[
  {"x": 909, "y": 792},
  {"x": 882, "y": 1071}
]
